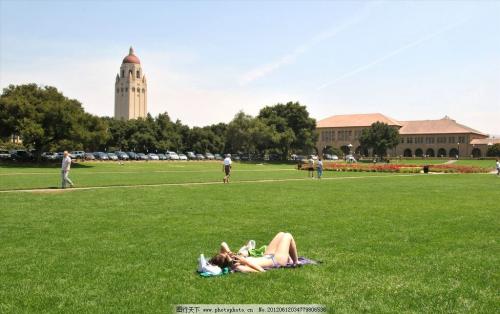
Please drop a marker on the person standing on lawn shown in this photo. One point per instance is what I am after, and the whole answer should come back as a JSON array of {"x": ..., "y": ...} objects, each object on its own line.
[
  {"x": 319, "y": 168},
  {"x": 498, "y": 167},
  {"x": 310, "y": 167},
  {"x": 226, "y": 167},
  {"x": 65, "y": 167}
]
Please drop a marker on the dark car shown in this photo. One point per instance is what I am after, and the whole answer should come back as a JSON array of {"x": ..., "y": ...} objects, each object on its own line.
[
  {"x": 21, "y": 155},
  {"x": 141, "y": 156},
  {"x": 235, "y": 157},
  {"x": 132, "y": 155},
  {"x": 200, "y": 157},
  {"x": 101, "y": 156},
  {"x": 162, "y": 156},
  {"x": 49, "y": 156},
  {"x": 122, "y": 155},
  {"x": 191, "y": 155}
]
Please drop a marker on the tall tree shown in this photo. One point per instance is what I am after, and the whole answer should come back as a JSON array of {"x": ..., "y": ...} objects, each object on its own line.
[
  {"x": 294, "y": 129},
  {"x": 380, "y": 137},
  {"x": 46, "y": 119}
]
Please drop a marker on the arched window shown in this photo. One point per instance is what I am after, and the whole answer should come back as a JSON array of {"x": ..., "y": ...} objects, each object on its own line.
[
  {"x": 126, "y": 89},
  {"x": 429, "y": 152},
  {"x": 138, "y": 74},
  {"x": 123, "y": 73},
  {"x": 441, "y": 152},
  {"x": 407, "y": 153},
  {"x": 143, "y": 90},
  {"x": 453, "y": 152},
  {"x": 122, "y": 89},
  {"x": 133, "y": 89},
  {"x": 129, "y": 72},
  {"x": 117, "y": 90},
  {"x": 419, "y": 152}
]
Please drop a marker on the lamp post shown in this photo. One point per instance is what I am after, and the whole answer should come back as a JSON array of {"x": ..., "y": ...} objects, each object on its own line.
[
  {"x": 458, "y": 153},
  {"x": 350, "y": 157}
]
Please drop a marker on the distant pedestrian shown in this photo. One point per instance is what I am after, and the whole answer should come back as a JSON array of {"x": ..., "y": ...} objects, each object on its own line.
[
  {"x": 319, "y": 168},
  {"x": 310, "y": 167},
  {"x": 226, "y": 167},
  {"x": 498, "y": 167},
  {"x": 65, "y": 167}
]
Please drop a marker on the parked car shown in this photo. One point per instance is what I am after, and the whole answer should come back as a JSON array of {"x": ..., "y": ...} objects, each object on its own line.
[
  {"x": 101, "y": 156},
  {"x": 89, "y": 156},
  {"x": 152, "y": 156},
  {"x": 142, "y": 156},
  {"x": 162, "y": 157},
  {"x": 200, "y": 157},
  {"x": 209, "y": 156},
  {"x": 21, "y": 155},
  {"x": 218, "y": 157},
  {"x": 191, "y": 155},
  {"x": 330, "y": 157},
  {"x": 77, "y": 154},
  {"x": 112, "y": 156},
  {"x": 132, "y": 155},
  {"x": 173, "y": 156},
  {"x": 183, "y": 157},
  {"x": 235, "y": 157},
  {"x": 122, "y": 155},
  {"x": 4, "y": 154},
  {"x": 49, "y": 156}
]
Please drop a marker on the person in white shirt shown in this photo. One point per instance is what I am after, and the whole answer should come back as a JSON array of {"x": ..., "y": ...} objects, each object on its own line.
[
  {"x": 226, "y": 167},
  {"x": 498, "y": 167},
  {"x": 66, "y": 165}
]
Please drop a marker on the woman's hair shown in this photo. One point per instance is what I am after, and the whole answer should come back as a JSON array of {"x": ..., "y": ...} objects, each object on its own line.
[{"x": 222, "y": 260}]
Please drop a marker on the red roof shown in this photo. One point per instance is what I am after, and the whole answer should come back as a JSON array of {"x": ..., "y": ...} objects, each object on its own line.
[
  {"x": 445, "y": 125},
  {"x": 355, "y": 120},
  {"x": 131, "y": 58}
]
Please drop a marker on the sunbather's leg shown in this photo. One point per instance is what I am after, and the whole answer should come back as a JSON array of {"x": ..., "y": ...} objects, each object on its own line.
[
  {"x": 273, "y": 245},
  {"x": 286, "y": 249}
]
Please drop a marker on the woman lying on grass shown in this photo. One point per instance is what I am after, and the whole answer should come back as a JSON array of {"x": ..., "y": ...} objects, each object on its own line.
[{"x": 280, "y": 251}]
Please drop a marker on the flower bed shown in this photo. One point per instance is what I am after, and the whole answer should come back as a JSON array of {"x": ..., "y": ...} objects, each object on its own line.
[{"x": 400, "y": 168}]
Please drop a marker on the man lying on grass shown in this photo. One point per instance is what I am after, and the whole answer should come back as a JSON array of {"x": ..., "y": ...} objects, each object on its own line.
[{"x": 280, "y": 251}]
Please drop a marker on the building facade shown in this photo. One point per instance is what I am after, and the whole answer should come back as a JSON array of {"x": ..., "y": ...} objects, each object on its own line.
[
  {"x": 131, "y": 89},
  {"x": 432, "y": 138}
]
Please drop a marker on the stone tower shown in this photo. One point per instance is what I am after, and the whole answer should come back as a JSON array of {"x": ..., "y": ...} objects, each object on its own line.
[{"x": 131, "y": 89}]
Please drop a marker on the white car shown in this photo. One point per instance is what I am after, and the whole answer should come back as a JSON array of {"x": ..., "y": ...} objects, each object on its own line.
[
  {"x": 152, "y": 156},
  {"x": 182, "y": 157},
  {"x": 173, "y": 155}
]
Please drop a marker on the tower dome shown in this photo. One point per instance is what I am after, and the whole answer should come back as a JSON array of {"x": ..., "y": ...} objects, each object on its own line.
[{"x": 131, "y": 58}]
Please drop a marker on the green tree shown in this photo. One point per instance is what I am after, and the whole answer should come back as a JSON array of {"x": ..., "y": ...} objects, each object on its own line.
[
  {"x": 380, "y": 137},
  {"x": 493, "y": 151},
  {"x": 47, "y": 120},
  {"x": 293, "y": 128}
]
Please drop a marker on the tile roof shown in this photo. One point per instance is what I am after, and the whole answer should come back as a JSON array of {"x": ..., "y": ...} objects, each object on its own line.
[
  {"x": 485, "y": 141},
  {"x": 443, "y": 126},
  {"x": 355, "y": 120}
]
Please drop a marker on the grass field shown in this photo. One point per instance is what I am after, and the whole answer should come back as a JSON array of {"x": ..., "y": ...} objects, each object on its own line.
[{"x": 388, "y": 243}]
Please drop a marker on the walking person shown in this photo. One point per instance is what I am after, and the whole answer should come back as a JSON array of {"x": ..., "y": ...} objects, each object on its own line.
[
  {"x": 66, "y": 165},
  {"x": 226, "y": 167},
  {"x": 319, "y": 168},
  {"x": 498, "y": 167},
  {"x": 310, "y": 167}
]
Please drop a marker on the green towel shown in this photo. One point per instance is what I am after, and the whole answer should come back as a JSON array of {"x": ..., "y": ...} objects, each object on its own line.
[{"x": 257, "y": 252}]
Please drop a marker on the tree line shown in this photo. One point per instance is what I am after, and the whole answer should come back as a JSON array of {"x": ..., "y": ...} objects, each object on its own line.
[{"x": 46, "y": 120}]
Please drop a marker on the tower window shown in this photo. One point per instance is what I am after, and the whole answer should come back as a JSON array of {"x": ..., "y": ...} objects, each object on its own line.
[
  {"x": 117, "y": 90},
  {"x": 133, "y": 89},
  {"x": 126, "y": 89},
  {"x": 138, "y": 74},
  {"x": 143, "y": 90},
  {"x": 130, "y": 72},
  {"x": 123, "y": 73},
  {"x": 122, "y": 89}
]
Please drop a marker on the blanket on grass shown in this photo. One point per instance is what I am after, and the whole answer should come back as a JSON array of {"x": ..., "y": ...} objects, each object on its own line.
[{"x": 302, "y": 261}]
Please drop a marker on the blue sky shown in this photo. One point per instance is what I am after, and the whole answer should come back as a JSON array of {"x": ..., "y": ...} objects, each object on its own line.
[{"x": 205, "y": 61}]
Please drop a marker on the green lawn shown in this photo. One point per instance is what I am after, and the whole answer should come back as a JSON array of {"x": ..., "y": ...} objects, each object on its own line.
[{"x": 417, "y": 243}]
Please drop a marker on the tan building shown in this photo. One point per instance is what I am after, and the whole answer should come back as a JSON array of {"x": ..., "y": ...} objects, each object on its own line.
[
  {"x": 433, "y": 138},
  {"x": 131, "y": 89}
]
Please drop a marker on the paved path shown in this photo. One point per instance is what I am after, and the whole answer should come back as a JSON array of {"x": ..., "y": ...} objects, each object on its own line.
[
  {"x": 449, "y": 162},
  {"x": 56, "y": 190}
]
